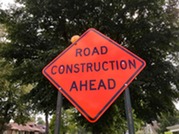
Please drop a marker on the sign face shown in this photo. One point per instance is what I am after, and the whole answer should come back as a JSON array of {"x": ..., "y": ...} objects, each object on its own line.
[{"x": 92, "y": 72}]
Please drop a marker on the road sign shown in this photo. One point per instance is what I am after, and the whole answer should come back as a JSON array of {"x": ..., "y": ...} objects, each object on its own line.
[{"x": 92, "y": 72}]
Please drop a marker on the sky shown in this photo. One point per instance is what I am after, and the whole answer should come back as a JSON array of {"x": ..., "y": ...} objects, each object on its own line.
[
  {"x": 177, "y": 105},
  {"x": 5, "y": 4}
]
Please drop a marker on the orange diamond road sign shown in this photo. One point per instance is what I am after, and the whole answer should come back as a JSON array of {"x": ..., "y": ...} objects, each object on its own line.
[{"x": 92, "y": 72}]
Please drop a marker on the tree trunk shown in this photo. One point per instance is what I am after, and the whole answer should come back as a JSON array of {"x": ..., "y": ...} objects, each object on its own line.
[
  {"x": 46, "y": 123},
  {"x": 2, "y": 127},
  {"x": 1, "y": 130}
]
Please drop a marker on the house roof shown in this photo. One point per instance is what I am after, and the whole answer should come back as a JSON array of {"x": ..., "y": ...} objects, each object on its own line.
[{"x": 29, "y": 127}]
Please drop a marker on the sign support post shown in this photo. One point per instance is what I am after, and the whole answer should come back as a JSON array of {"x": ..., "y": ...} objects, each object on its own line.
[
  {"x": 128, "y": 109},
  {"x": 58, "y": 113}
]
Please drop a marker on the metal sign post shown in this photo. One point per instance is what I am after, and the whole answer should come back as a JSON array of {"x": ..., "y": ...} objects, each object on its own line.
[
  {"x": 58, "y": 113},
  {"x": 128, "y": 110}
]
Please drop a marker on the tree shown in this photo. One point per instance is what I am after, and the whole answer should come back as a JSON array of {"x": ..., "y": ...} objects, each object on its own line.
[
  {"x": 11, "y": 93},
  {"x": 68, "y": 122},
  {"x": 11, "y": 99},
  {"x": 167, "y": 120},
  {"x": 40, "y": 121},
  {"x": 39, "y": 30}
]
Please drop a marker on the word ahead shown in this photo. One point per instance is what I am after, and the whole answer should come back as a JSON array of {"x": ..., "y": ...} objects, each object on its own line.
[
  {"x": 92, "y": 72},
  {"x": 93, "y": 85}
]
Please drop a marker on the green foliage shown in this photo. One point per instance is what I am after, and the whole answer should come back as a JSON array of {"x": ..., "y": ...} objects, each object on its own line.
[
  {"x": 52, "y": 125},
  {"x": 11, "y": 98},
  {"x": 113, "y": 121},
  {"x": 40, "y": 30},
  {"x": 40, "y": 121},
  {"x": 167, "y": 120},
  {"x": 11, "y": 93},
  {"x": 68, "y": 123},
  {"x": 168, "y": 132}
]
